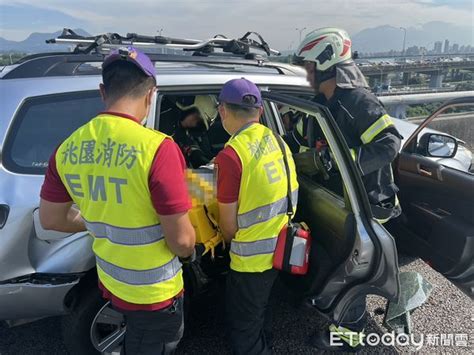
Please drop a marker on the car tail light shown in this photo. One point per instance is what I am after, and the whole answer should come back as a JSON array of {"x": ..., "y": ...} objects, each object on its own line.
[{"x": 4, "y": 210}]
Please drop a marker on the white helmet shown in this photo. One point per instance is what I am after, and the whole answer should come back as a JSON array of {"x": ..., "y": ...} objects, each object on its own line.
[
  {"x": 326, "y": 47},
  {"x": 285, "y": 109},
  {"x": 205, "y": 104}
]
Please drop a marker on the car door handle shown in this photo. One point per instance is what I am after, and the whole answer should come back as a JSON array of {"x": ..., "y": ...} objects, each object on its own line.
[
  {"x": 4, "y": 211},
  {"x": 425, "y": 172},
  {"x": 431, "y": 172}
]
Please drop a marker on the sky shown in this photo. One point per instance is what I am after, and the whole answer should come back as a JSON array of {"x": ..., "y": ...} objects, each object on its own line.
[{"x": 275, "y": 20}]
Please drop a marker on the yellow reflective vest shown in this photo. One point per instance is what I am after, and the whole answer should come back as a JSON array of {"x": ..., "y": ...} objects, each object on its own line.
[
  {"x": 262, "y": 203},
  {"x": 105, "y": 166}
]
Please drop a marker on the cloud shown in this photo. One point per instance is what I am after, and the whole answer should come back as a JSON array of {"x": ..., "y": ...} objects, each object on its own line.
[
  {"x": 276, "y": 20},
  {"x": 467, "y": 4}
]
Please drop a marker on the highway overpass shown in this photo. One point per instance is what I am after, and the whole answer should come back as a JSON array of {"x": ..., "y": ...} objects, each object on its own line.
[{"x": 436, "y": 70}]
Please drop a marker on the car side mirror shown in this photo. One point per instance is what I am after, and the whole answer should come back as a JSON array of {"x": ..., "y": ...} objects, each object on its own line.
[{"x": 437, "y": 145}]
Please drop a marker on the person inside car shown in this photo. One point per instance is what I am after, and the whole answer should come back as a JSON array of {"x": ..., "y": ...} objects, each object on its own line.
[
  {"x": 188, "y": 121},
  {"x": 295, "y": 126}
]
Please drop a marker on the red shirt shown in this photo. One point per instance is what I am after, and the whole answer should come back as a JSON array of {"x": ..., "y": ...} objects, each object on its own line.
[
  {"x": 168, "y": 190},
  {"x": 229, "y": 174}
]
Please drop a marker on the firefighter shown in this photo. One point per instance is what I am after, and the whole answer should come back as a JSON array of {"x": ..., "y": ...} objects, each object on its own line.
[
  {"x": 188, "y": 121},
  {"x": 128, "y": 182},
  {"x": 251, "y": 193},
  {"x": 295, "y": 126},
  {"x": 369, "y": 132}
]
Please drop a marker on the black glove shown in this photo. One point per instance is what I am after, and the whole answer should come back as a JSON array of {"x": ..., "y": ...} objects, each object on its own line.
[{"x": 189, "y": 259}]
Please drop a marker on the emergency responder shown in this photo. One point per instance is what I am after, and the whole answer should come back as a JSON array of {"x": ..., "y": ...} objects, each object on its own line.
[
  {"x": 128, "y": 182},
  {"x": 369, "y": 132},
  {"x": 188, "y": 120},
  {"x": 295, "y": 125},
  {"x": 251, "y": 192}
]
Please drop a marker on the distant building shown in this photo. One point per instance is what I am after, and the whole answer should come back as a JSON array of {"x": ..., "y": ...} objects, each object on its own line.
[
  {"x": 414, "y": 50},
  {"x": 455, "y": 48},
  {"x": 462, "y": 49},
  {"x": 446, "y": 46},
  {"x": 438, "y": 46}
]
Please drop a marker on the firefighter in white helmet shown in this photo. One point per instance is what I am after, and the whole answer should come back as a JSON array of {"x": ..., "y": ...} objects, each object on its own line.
[
  {"x": 295, "y": 123},
  {"x": 194, "y": 117},
  {"x": 370, "y": 134}
]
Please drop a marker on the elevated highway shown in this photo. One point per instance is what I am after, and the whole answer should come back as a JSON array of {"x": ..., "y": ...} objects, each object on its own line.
[
  {"x": 428, "y": 67},
  {"x": 437, "y": 70}
]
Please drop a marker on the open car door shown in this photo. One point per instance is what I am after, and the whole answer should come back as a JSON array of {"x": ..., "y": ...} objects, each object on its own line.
[
  {"x": 352, "y": 254},
  {"x": 436, "y": 181}
]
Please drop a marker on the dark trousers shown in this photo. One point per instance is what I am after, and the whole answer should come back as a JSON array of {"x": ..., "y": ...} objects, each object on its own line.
[
  {"x": 356, "y": 317},
  {"x": 154, "y": 332},
  {"x": 248, "y": 312}
]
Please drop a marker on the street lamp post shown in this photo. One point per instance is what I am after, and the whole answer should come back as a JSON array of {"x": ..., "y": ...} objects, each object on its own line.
[
  {"x": 301, "y": 31},
  {"x": 404, "y": 39},
  {"x": 159, "y": 32}
]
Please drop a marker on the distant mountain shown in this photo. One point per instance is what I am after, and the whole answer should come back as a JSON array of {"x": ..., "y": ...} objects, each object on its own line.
[
  {"x": 36, "y": 42},
  {"x": 385, "y": 38}
]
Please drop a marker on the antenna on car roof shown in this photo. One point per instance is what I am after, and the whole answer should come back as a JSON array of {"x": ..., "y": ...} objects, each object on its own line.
[{"x": 240, "y": 46}]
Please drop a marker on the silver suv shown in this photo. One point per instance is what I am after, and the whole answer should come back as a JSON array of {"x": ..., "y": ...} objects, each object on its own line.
[{"x": 45, "y": 97}]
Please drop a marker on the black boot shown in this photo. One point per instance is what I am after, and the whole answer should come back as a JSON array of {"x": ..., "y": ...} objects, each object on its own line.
[{"x": 321, "y": 339}]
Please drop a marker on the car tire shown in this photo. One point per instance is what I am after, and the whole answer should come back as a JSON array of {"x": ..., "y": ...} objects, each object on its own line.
[{"x": 76, "y": 325}]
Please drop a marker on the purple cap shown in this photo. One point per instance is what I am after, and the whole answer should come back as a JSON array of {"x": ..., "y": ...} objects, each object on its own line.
[
  {"x": 234, "y": 91},
  {"x": 132, "y": 55}
]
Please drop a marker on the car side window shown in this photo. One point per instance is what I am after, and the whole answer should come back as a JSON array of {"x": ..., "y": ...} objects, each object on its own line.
[
  {"x": 40, "y": 126},
  {"x": 449, "y": 139},
  {"x": 303, "y": 131}
]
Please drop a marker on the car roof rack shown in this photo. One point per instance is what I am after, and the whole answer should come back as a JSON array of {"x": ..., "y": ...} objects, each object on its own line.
[
  {"x": 105, "y": 42},
  {"x": 93, "y": 49}
]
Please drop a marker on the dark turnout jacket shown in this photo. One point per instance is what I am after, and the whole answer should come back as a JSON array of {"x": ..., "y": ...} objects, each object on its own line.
[{"x": 374, "y": 142}]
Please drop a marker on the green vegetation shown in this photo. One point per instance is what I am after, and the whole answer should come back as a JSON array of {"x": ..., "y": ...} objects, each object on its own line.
[
  {"x": 465, "y": 86},
  {"x": 422, "y": 110},
  {"x": 417, "y": 80}
]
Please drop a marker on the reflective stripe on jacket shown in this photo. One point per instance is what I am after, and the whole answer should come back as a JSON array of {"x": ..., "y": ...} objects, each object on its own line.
[
  {"x": 105, "y": 167},
  {"x": 374, "y": 141},
  {"x": 262, "y": 197}
]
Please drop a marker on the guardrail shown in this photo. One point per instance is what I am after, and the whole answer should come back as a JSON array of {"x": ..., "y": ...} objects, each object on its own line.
[{"x": 412, "y": 99}]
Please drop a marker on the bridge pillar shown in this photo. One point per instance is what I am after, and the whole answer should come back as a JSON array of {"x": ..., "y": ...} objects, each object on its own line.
[
  {"x": 398, "y": 111},
  {"x": 406, "y": 78},
  {"x": 372, "y": 81},
  {"x": 436, "y": 79}
]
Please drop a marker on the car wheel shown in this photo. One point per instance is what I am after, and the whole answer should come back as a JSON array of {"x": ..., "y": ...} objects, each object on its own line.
[
  {"x": 108, "y": 330},
  {"x": 76, "y": 326}
]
